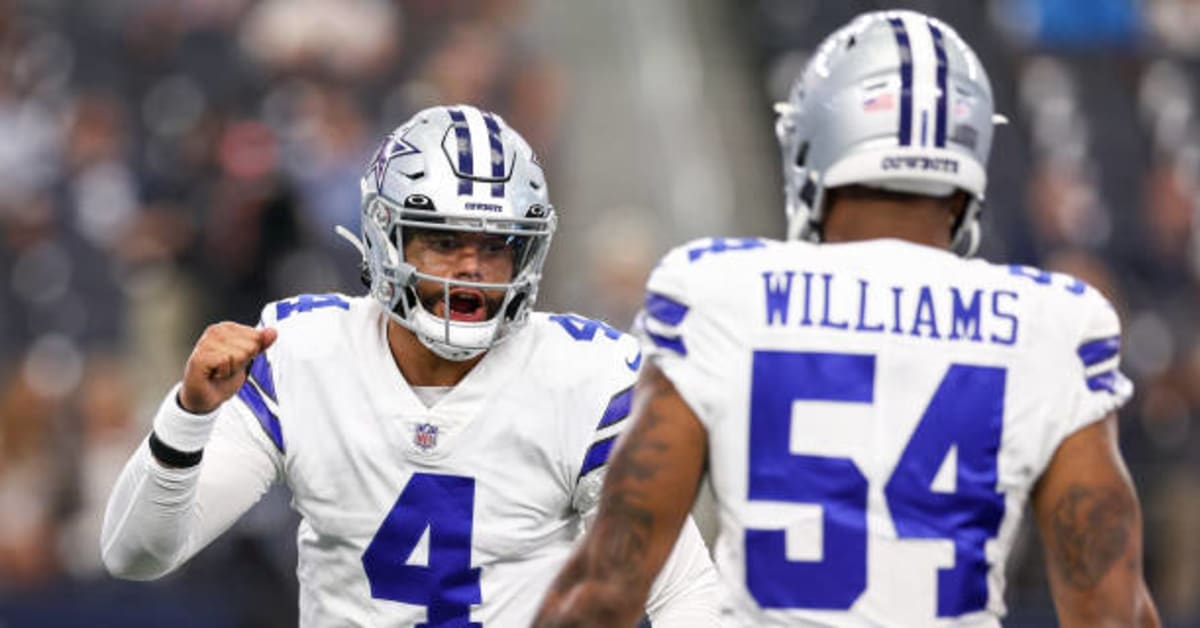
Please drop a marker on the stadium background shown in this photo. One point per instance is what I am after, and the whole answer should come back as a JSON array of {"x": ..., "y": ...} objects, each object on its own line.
[{"x": 168, "y": 163}]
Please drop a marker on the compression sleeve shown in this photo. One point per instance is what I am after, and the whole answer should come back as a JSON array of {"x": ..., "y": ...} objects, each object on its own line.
[{"x": 159, "y": 517}]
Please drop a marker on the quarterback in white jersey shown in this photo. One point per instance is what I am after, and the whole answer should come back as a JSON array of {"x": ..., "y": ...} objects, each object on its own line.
[
  {"x": 443, "y": 443},
  {"x": 874, "y": 411}
]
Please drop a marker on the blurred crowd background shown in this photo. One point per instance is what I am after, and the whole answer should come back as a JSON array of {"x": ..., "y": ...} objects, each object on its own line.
[{"x": 165, "y": 164}]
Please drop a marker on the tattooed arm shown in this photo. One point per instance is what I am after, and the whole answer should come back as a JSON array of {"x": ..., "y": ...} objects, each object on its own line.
[
  {"x": 1091, "y": 526},
  {"x": 651, "y": 484}
]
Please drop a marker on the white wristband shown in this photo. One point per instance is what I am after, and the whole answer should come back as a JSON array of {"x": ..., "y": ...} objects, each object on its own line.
[{"x": 179, "y": 429}]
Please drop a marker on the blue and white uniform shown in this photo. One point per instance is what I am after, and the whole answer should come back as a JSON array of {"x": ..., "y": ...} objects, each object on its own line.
[
  {"x": 877, "y": 415},
  {"x": 458, "y": 511}
]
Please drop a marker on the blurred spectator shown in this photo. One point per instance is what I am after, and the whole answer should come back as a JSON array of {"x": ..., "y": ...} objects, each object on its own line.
[
  {"x": 618, "y": 266},
  {"x": 1064, "y": 207},
  {"x": 349, "y": 39},
  {"x": 106, "y": 431},
  {"x": 1177, "y": 24},
  {"x": 33, "y": 490},
  {"x": 1072, "y": 24}
]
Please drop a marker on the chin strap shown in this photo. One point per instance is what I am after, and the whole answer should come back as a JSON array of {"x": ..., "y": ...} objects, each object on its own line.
[
  {"x": 352, "y": 239},
  {"x": 364, "y": 272}
]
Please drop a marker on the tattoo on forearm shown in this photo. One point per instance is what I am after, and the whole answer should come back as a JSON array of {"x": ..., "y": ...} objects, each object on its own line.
[
  {"x": 628, "y": 535},
  {"x": 627, "y": 520},
  {"x": 1092, "y": 529},
  {"x": 607, "y": 576},
  {"x": 635, "y": 459}
]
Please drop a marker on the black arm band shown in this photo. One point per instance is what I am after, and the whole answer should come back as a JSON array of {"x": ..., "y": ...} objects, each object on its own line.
[{"x": 171, "y": 457}]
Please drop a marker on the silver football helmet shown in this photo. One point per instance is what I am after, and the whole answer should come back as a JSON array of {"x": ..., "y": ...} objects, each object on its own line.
[
  {"x": 451, "y": 170},
  {"x": 894, "y": 100}
]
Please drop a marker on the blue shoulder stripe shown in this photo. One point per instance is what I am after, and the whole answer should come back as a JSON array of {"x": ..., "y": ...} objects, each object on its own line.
[
  {"x": 267, "y": 419},
  {"x": 1106, "y": 381},
  {"x": 671, "y": 343},
  {"x": 618, "y": 408},
  {"x": 1096, "y": 351},
  {"x": 597, "y": 455},
  {"x": 260, "y": 372},
  {"x": 664, "y": 309}
]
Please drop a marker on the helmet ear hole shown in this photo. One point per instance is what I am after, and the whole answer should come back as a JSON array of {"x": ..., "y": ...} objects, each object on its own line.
[{"x": 418, "y": 201}]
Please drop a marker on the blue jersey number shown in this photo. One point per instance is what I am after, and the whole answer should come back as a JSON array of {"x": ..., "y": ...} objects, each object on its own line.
[
  {"x": 308, "y": 303},
  {"x": 1044, "y": 277},
  {"x": 584, "y": 329},
  {"x": 965, "y": 415},
  {"x": 446, "y": 585},
  {"x": 721, "y": 245}
]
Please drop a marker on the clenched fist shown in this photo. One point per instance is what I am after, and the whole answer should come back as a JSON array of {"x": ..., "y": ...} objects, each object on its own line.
[{"x": 217, "y": 367}]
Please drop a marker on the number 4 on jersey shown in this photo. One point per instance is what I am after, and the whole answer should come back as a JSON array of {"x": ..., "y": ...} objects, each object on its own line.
[
  {"x": 308, "y": 303},
  {"x": 446, "y": 585}
]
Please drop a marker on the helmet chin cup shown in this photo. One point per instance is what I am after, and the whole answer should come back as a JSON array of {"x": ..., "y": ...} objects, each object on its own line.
[{"x": 452, "y": 340}]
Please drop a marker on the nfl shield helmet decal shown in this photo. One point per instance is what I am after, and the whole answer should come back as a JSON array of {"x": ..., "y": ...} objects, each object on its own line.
[{"x": 425, "y": 436}]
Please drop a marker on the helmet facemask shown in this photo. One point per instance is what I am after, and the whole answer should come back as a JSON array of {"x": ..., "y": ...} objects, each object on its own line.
[{"x": 410, "y": 295}]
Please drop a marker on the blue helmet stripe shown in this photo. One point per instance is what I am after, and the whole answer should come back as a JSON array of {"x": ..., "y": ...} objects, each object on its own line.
[
  {"x": 497, "y": 154},
  {"x": 466, "y": 163},
  {"x": 939, "y": 129},
  {"x": 906, "y": 80}
]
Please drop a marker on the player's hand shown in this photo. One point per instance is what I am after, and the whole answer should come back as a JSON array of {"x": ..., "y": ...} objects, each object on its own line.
[{"x": 217, "y": 367}]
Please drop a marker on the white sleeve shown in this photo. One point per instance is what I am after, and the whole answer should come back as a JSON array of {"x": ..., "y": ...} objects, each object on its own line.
[
  {"x": 1097, "y": 386},
  {"x": 159, "y": 517},
  {"x": 686, "y": 593},
  {"x": 681, "y": 340}
]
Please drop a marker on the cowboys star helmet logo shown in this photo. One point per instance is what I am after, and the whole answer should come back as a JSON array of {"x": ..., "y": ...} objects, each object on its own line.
[{"x": 393, "y": 147}]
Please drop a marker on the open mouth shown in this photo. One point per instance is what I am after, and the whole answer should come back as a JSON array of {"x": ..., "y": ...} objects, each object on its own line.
[{"x": 465, "y": 304}]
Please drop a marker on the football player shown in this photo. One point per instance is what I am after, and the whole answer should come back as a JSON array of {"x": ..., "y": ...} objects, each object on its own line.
[
  {"x": 442, "y": 441},
  {"x": 874, "y": 410}
]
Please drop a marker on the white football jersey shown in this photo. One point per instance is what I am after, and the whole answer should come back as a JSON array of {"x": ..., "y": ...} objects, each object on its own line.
[
  {"x": 410, "y": 510},
  {"x": 458, "y": 514},
  {"x": 877, "y": 415}
]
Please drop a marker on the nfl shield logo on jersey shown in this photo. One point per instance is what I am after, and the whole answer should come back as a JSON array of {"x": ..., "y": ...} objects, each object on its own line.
[{"x": 426, "y": 436}]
